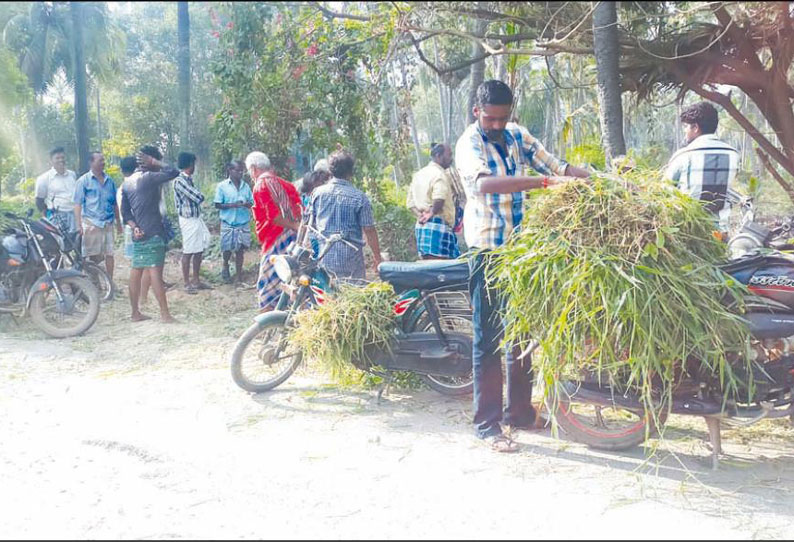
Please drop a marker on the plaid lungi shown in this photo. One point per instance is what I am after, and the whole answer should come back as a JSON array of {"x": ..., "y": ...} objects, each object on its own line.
[
  {"x": 234, "y": 238},
  {"x": 267, "y": 289},
  {"x": 435, "y": 238}
]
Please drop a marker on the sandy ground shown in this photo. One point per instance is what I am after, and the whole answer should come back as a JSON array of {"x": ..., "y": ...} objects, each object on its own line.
[{"x": 137, "y": 431}]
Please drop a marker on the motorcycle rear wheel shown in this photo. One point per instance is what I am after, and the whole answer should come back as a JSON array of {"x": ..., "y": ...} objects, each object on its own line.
[
  {"x": 83, "y": 298},
  {"x": 447, "y": 385},
  {"x": 610, "y": 428},
  {"x": 263, "y": 350}
]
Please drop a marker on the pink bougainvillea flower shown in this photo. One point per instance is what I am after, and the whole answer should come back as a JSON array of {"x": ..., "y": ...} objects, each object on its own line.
[
  {"x": 312, "y": 50},
  {"x": 215, "y": 34},
  {"x": 230, "y": 25}
]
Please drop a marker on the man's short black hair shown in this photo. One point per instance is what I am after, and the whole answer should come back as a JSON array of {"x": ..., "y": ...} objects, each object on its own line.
[
  {"x": 231, "y": 164},
  {"x": 128, "y": 165},
  {"x": 56, "y": 150},
  {"x": 151, "y": 150},
  {"x": 341, "y": 164},
  {"x": 92, "y": 156},
  {"x": 494, "y": 92},
  {"x": 703, "y": 114},
  {"x": 185, "y": 160},
  {"x": 436, "y": 149}
]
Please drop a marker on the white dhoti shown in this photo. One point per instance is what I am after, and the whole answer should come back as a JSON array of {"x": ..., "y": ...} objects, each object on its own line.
[{"x": 195, "y": 235}]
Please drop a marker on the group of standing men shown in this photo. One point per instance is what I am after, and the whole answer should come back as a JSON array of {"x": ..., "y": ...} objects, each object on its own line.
[{"x": 484, "y": 195}]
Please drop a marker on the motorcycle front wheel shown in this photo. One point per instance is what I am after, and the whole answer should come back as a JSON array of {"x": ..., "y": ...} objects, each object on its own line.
[
  {"x": 262, "y": 358},
  {"x": 603, "y": 427},
  {"x": 72, "y": 315}
]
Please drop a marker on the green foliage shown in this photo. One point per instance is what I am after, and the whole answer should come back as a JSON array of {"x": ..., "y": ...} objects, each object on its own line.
[
  {"x": 623, "y": 285},
  {"x": 395, "y": 223},
  {"x": 588, "y": 154}
]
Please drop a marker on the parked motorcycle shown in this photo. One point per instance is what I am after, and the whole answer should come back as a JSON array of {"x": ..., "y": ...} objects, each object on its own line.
[
  {"x": 432, "y": 339},
  {"x": 70, "y": 256},
  {"x": 61, "y": 302},
  {"x": 593, "y": 413}
]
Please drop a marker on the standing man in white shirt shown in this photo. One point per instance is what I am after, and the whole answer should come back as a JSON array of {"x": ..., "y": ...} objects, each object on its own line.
[
  {"x": 707, "y": 165},
  {"x": 55, "y": 190}
]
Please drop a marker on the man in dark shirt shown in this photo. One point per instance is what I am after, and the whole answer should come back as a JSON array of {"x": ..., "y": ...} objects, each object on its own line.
[{"x": 140, "y": 209}]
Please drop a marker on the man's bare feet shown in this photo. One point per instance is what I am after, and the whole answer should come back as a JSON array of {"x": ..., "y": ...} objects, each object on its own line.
[
  {"x": 169, "y": 319},
  {"x": 140, "y": 317}
]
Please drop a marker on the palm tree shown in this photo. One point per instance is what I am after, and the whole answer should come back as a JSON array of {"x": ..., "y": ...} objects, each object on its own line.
[{"x": 45, "y": 41}]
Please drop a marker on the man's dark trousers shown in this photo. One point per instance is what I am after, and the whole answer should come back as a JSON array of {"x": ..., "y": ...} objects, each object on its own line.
[{"x": 487, "y": 363}]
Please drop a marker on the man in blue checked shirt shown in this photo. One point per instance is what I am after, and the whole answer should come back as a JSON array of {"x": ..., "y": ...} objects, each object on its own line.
[
  {"x": 493, "y": 157},
  {"x": 339, "y": 207}
]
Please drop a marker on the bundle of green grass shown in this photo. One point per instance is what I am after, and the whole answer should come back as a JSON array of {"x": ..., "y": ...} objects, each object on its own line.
[
  {"x": 617, "y": 278},
  {"x": 342, "y": 333}
]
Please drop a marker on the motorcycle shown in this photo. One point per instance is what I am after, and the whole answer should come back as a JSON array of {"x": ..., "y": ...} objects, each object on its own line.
[
  {"x": 592, "y": 413},
  {"x": 71, "y": 256},
  {"x": 61, "y": 302},
  {"x": 432, "y": 338}
]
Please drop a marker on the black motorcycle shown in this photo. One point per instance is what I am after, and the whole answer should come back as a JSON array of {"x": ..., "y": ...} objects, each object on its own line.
[
  {"x": 432, "y": 339},
  {"x": 591, "y": 412},
  {"x": 61, "y": 302}
]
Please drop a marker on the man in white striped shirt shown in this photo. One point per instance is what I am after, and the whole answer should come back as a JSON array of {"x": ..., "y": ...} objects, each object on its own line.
[{"x": 707, "y": 165}]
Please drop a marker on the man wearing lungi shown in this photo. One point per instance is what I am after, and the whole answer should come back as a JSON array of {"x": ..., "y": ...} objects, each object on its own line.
[
  {"x": 431, "y": 200},
  {"x": 234, "y": 199},
  {"x": 195, "y": 235},
  {"x": 277, "y": 213}
]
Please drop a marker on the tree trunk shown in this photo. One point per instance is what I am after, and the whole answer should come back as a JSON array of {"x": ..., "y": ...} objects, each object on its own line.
[
  {"x": 442, "y": 109},
  {"x": 183, "y": 60},
  {"x": 477, "y": 69},
  {"x": 607, "y": 53},
  {"x": 98, "y": 119},
  {"x": 80, "y": 97},
  {"x": 410, "y": 111}
]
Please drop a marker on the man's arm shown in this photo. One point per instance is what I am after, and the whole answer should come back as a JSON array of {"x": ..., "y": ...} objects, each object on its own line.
[
  {"x": 41, "y": 193},
  {"x": 190, "y": 192},
  {"x": 78, "y": 217},
  {"x": 285, "y": 222},
  {"x": 372, "y": 240}
]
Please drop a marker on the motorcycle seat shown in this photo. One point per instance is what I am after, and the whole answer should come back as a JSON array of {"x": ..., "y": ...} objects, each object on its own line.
[{"x": 424, "y": 275}]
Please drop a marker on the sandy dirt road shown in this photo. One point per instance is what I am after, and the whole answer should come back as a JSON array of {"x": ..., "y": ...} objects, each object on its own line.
[{"x": 137, "y": 431}]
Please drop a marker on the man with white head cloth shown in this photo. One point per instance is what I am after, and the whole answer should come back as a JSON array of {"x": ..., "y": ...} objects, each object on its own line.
[{"x": 277, "y": 213}]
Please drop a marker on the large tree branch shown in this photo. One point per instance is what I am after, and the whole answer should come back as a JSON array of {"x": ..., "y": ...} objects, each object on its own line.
[
  {"x": 739, "y": 37},
  {"x": 337, "y": 15}
]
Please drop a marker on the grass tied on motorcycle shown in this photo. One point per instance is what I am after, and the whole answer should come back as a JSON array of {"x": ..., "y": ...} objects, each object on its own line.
[
  {"x": 618, "y": 281},
  {"x": 342, "y": 332}
]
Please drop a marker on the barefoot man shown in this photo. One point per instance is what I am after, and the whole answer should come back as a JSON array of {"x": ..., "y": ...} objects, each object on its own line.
[{"x": 141, "y": 211}]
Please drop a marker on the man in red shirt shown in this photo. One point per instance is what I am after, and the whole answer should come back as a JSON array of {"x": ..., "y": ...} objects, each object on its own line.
[{"x": 277, "y": 213}]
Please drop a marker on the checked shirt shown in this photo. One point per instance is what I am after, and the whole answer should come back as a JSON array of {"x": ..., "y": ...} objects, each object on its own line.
[
  {"x": 187, "y": 197},
  {"x": 489, "y": 219},
  {"x": 339, "y": 207}
]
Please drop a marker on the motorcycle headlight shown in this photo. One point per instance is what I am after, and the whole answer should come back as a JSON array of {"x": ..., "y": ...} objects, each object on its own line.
[{"x": 283, "y": 266}]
